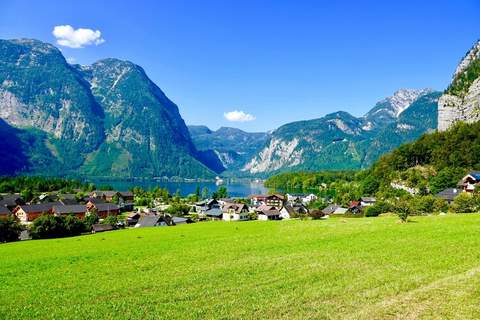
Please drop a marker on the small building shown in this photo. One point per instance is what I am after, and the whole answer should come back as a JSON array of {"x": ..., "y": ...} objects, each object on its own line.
[
  {"x": 235, "y": 212},
  {"x": 330, "y": 209},
  {"x": 104, "y": 210},
  {"x": 291, "y": 210},
  {"x": 295, "y": 197},
  {"x": 367, "y": 201},
  {"x": 449, "y": 194},
  {"x": 205, "y": 205},
  {"x": 270, "y": 200},
  {"x": 126, "y": 196},
  {"x": 148, "y": 221},
  {"x": 108, "y": 196},
  {"x": 133, "y": 218},
  {"x": 266, "y": 212},
  {"x": 77, "y": 209},
  {"x": 340, "y": 211},
  {"x": 67, "y": 198},
  {"x": 179, "y": 220},
  {"x": 470, "y": 181},
  {"x": 310, "y": 198},
  {"x": 28, "y": 213},
  {"x": 355, "y": 207}
]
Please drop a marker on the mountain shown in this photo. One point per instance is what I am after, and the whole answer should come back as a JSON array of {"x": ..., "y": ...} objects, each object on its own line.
[
  {"x": 106, "y": 119},
  {"x": 461, "y": 100},
  {"x": 342, "y": 141},
  {"x": 231, "y": 146}
]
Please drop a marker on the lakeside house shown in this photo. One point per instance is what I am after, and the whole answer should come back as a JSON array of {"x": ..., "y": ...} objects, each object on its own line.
[
  {"x": 270, "y": 200},
  {"x": 235, "y": 212},
  {"x": 469, "y": 182},
  {"x": 267, "y": 212},
  {"x": 104, "y": 210},
  {"x": 449, "y": 194}
]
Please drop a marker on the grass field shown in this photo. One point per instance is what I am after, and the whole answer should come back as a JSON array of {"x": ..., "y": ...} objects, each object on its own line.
[{"x": 370, "y": 268}]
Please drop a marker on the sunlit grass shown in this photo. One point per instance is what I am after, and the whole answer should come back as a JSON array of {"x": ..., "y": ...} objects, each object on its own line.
[{"x": 339, "y": 268}]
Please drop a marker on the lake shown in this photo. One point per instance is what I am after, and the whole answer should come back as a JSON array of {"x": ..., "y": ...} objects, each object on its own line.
[{"x": 241, "y": 188}]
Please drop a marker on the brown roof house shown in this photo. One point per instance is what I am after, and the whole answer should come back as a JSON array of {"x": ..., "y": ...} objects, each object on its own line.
[
  {"x": 235, "y": 212},
  {"x": 28, "y": 213},
  {"x": 77, "y": 210},
  {"x": 104, "y": 210},
  {"x": 4, "y": 213}
]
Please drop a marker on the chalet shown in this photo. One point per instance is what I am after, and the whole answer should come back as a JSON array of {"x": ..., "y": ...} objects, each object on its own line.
[
  {"x": 28, "y": 213},
  {"x": 203, "y": 206},
  {"x": 470, "y": 181},
  {"x": 270, "y": 200},
  {"x": 148, "y": 221},
  {"x": 126, "y": 196},
  {"x": 108, "y": 196},
  {"x": 179, "y": 220},
  {"x": 104, "y": 210},
  {"x": 291, "y": 210},
  {"x": 367, "y": 201},
  {"x": 91, "y": 202},
  {"x": 266, "y": 212},
  {"x": 11, "y": 201},
  {"x": 133, "y": 218},
  {"x": 235, "y": 212},
  {"x": 449, "y": 194},
  {"x": 340, "y": 211},
  {"x": 100, "y": 227},
  {"x": 75, "y": 209},
  {"x": 4, "y": 213},
  {"x": 355, "y": 207}
]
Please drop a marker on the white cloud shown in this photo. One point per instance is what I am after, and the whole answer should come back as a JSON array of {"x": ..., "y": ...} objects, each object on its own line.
[
  {"x": 71, "y": 60},
  {"x": 238, "y": 116},
  {"x": 67, "y": 36}
]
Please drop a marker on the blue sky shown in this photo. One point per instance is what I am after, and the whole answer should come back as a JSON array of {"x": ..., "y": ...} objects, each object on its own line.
[{"x": 278, "y": 61}]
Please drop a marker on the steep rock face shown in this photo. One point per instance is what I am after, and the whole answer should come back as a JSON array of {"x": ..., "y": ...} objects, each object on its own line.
[
  {"x": 461, "y": 101},
  {"x": 342, "y": 141},
  {"x": 108, "y": 119},
  {"x": 141, "y": 124},
  {"x": 39, "y": 89}
]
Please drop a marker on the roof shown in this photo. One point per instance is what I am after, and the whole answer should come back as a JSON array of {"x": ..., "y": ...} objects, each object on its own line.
[
  {"x": 330, "y": 209},
  {"x": 106, "y": 207},
  {"x": 41, "y": 207},
  {"x": 289, "y": 209},
  {"x": 214, "y": 212},
  {"x": 270, "y": 212},
  {"x": 95, "y": 200},
  {"x": 265, "y": 207},
  {"x": 340, "y": 211},
  {"x": 107, "y": 193},
  {"x": 354, "y": 204},
  {"x": 134, "y": 214},
  {"x": 238, "y": 207},
  {"x": 69, "y": 201},
  {"x": 368, "y": 199},
  {"x": 4, "y": 210},
  {"x": 70, "y": 209},
  {"x": 126, "y": 193},
  {"x": 100, "y": 227},
  {"x": 179, "y": 220},
  {"x": 147, "y": 221},
  {"x": 475, "y": 175},
  {"x": 10, "y": 200},
  {"x": 449, "y": 194},
  {"x": 69, "y": 196}
]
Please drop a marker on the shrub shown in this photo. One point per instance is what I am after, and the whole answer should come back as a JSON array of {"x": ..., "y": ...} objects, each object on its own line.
[
  {"x": 73, "y": 225},
  {"x": 89, "y": 220},
  {"x": 378, "y": 208},
  {"x": 10, "y": 230},
  {"x": 178, "y": 209},
  {"x": 403, "y": 210},
  {"x": 48, "y": 226},
  {"x": 252, "y": 216},
  {"x": 464, "y": 203},
  {"x": 316, "y": 214},
  {"x": 111, "y": 220}
]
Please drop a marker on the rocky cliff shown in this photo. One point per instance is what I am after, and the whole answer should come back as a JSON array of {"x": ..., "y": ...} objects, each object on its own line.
[{"x": 461, "y": 101}]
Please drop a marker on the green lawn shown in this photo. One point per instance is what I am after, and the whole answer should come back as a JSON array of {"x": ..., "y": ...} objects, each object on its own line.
[{"x": 369, "y": 268}]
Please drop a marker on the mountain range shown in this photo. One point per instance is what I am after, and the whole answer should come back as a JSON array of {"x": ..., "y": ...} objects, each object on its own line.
[{"x": 110, "y": 119}]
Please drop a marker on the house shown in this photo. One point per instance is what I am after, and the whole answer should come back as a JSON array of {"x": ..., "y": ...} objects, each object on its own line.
[
  {"x": 28, "y": 213},
  {"x": 266, "y": 212},
  {"x": 67, "y": 198},
  {"x": 330, "y": 209},
  {"x": 11, "y": 201},
  {"x": 270, "y": 200},
  {"x": 100, "y": 227},
  {"x": 340, "y": 211},
  {"x": 292, "y": 198},
  {"x": 310, "y": 198},
  {"x": 205, "y": 205},
  {"x": 4, "y": 212},
  {"x": 449, "y": 194},
  {"x": 355, "y": 207},
  {"x": 126, "y": 196},
  {"x": 367, "y": 201},
  {"x": 76, "y": 209},
  {"x": 470, "y": 181},
  {"x": 108, "y": 196},
  {"x": 133, "y": 218},
  {"x": 292, "y": 210},
  {"x": 235, "y": 212},
  {"x": 104, "y": 210},
  {"x": 148, "y": 221}
]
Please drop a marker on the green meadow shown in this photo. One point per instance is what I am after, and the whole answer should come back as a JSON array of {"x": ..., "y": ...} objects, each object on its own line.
[{"x": 366, "y": 268}]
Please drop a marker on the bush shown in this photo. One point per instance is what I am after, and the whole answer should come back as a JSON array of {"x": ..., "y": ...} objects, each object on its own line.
[
  {"x": 89, "y": 220},
  {"x": 73, "y": 225},
  {"x": 111, "y": 220},
  {"x": 252, "y": 216},
  {"x": 10, "y": 230},
  {"x": 464, "y": 203},
  {"x": 403, "y": 210},
  {"x": 48, "y": 226},
  {"x": 177, "y": 209},
  {"x": 378, "y": 208}
]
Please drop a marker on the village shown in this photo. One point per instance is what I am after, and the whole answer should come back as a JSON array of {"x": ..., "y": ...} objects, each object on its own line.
[{"x": 118, "y": 209}]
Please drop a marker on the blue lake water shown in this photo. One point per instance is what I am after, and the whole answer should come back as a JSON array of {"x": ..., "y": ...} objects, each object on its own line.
[{"x": 235, "y": 189}]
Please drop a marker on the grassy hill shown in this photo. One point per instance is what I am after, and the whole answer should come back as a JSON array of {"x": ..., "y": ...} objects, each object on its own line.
[{"x": 353, "y": 268}]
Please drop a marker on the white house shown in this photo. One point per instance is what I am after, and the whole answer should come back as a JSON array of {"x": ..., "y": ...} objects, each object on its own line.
[
  {"x": 235, "y": 212},
  {"x": 310, "y": 198}
]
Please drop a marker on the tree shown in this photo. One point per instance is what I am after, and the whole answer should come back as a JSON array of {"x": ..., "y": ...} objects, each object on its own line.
[
  {"x": 90, "y": 219},
  {"x": 403, "y": 209},
  {"x": 220, "y": 193},
  {"x": 48, "y": 226},
  {"x": 73, "y": 225},
  {"x": 178, "y": 209},
  {"x": 111, "y": 220},
  {"x": 464, "y": 203},
  {"x": 204, "y": 193},
  {"x": 10, "y": 230}
]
